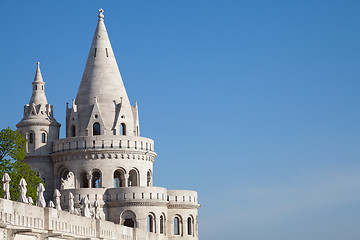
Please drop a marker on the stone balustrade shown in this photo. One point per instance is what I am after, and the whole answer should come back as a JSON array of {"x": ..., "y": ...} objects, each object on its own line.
[
  {"x": 110, "y": 142},
  {"x": 182, "y": 197},
  {"x": 24, "y": 221}
]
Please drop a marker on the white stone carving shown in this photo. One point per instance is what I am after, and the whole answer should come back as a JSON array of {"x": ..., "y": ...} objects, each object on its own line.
[
  {"x": 57, "y": 195},
  {"x": 40, "y": 201},
  {"x": 6, "y": 185},
  {"x": 69, "y": 182},
  {"x": 71, "y": 203},
  {"x": 23, "y": 190},
  {"x": 96, "y": 210},
  {"x": 85, "y": 209},
  {"x": 51, "y": 204}
]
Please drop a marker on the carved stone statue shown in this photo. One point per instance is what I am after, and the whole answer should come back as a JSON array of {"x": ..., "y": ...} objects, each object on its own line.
[
  {"x": 71, "y": 203},
  {"x": 40, "y": 201},
  {"x": 51, "y": 204},
  {"x": 85, "y": 210},
  {"x": 6, "y": 185},
  {"x": 23, "y": 190},
  {"x": 69, "y": 182},
  {"x": 30, "y": 201},
  {"x": 57, "y": 195},
  {"x": 96, "y": 211}
]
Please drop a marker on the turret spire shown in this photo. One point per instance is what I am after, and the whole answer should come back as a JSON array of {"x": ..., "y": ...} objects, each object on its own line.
[
  {"x": 38, "y": 93},
  {"x": 102, "y": 79}
]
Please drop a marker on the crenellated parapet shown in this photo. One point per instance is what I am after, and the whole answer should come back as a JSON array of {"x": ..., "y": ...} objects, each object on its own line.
[{"x": 121, "y": 144}]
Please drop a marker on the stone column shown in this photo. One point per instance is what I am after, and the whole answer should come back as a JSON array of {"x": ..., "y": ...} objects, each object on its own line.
[
  {"x": 89, "y": 177},
  {"x": 127, "y": 180}
]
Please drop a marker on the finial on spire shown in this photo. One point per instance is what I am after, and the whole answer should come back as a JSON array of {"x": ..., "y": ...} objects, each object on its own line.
[{"x": 101, "y": 15}]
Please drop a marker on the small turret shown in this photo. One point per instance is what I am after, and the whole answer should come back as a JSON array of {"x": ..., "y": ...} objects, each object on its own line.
[
  {"x": 38, "y": 93},
  {"x": 38, "y": 125}
]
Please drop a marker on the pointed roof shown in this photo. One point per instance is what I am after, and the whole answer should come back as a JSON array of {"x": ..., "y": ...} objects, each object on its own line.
[
  {"x": 101, "y": 80},
  {"x": 38, "y": 93},
  {"x": 101, "y": 76},
  {"x": 38, "y": 77}
]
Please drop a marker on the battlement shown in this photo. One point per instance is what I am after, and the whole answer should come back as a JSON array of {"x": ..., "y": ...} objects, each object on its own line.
[
  {"x": 182, "y": 197},
  {"x": 111, "y": 142}
]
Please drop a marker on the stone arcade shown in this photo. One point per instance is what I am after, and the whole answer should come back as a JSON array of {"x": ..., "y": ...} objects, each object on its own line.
[{"x": 103, "y": 162}]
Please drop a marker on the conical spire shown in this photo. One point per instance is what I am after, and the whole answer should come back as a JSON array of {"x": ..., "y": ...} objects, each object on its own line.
[
  {"x": 38, "y": 93},
  {"x": 38, "y": 76},
  {"x": 101, "y": 80}
]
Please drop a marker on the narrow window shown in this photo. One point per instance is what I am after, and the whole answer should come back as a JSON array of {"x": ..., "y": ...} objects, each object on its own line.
[
  {"x": 176, "y": 226},
  {"x": 133, "y": 178},
  {"x": 150, "y": 223},
  {"x": 73, "y": 131},
  {"x": 95, "y": 52},
  {"x": 96, "y": 180},
  {"x": 122, "y": 129},
  {"x": 35, "y": 87},
  {"x": 96, "y": 129},
  {"x": 161, "y": 224},
  {"x": 189, "y": 225},
  {"x": 31, "y": 138},
  {"x": 118, "y": 179},
  {"x": 107, "y": 55},
  {"x": 149, "y": 179},
  {"x": 84, "y": 183},
  {"x": 43, "y": 137},
  {"x": 42, "y": 87}
]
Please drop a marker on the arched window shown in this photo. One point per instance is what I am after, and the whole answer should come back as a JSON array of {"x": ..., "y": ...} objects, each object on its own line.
[
  {"x": 149, "y": 178},
  {"x": 43, "y": 138},
  {"x": 122, "y": 130},
  {"x": 150, "y": 223},
  {"x": 176, "y": 226},
  {"x": 96, "y": 129},
  {"x": 96, "y": 179},
  {"x": 31, "y": 137},
  {"x": 189, "y": 225},
  {"x": 119, "y": 179},
  {"x": 128, "y": 219},
  {"x": 161, "y": 224},
  {"x": 73, "y": 131},
  {"x": 84, "y": 182},
  {"x": 133, "y": 178}
]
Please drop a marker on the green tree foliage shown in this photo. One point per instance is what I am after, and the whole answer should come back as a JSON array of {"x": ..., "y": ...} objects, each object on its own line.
[{"x": 12, "y": 153}]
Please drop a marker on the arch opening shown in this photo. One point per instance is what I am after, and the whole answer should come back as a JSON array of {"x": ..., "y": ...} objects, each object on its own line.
[
  {"x": 84, "y": 182},
  {"x": 161, "y": 224},
  {"x": 96, "y": 129},
  {"x": 128, "y": 219},
  {"x": 31, "y": 137},
  {"x": 150, "y": 223},
  {"x": 176, "y": 226},
  {"x": 122, "y": 129},
  {"x": 133, "y": 178},
  {"x": 149, "y": 183},
  {"x": 43, "y": 137},
  {"x": 189, "y": 225},
  {"x": 119, "y": 178},
  {"x": 96, "y": 179},
  {"x": 73, "y": 131}
]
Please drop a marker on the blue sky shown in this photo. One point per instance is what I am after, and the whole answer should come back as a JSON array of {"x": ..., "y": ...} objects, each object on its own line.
[{"x": 254, "y": 104}]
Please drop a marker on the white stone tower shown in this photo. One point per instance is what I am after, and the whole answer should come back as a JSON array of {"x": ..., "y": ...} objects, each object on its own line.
[
  {"x": 40, "y": 129},
  {"x": 104, "y": 157}
]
